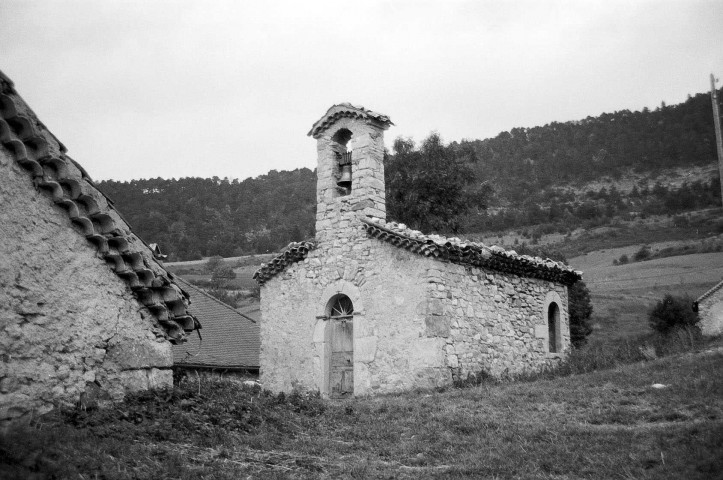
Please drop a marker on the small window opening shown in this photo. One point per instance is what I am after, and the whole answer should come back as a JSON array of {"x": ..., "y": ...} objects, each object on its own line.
[
  {"x": 553, "y": 328},
  {"x": 340, "y": 307},
  {"x": 342, "y": 146}
]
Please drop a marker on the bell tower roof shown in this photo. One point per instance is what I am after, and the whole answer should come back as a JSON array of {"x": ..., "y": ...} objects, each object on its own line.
[{"x": 348, "y": 110}]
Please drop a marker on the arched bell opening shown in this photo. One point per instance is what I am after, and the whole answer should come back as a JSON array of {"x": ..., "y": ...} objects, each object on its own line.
[
  {"x": 340, "y": 328},
  {"x": 342, "y": 147}
]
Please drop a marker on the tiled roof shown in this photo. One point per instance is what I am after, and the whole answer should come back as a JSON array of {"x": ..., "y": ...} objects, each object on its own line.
[
  {"x": 475, "y": 254},
  {"x": 229, "y": 339},
  {"x": 346, "y": 110},
  {"x": 70, "y": 187},
  {"x": 294, "y": 252},
  {"x": 710, "y": 292}
]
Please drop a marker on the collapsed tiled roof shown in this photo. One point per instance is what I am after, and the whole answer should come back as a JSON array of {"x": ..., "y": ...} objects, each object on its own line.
[
  {"x": 69, "y": 186},
  {"x": 230, "y": 339},
  {"x": 294, "y": 252},
  {"x": 474, "y": 254},
  {"x": 346, "y": 110},
  {"x": 710, "y": 292}
]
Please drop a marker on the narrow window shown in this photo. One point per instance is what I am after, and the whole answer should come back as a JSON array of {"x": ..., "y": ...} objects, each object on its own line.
[{"x": 553, "y": 327}]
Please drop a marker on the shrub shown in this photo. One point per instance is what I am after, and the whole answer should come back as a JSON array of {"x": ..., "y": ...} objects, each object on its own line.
[
  {"x": 642, "y": 254},
  {"x": 214, "y": 263},
  {"x": 623, "y": 259},
  {"x": 672, "y": 313},
  {"x": 580, "y": 312}
]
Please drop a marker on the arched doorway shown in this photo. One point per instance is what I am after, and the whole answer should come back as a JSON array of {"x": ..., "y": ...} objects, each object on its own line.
[
  {"x": 340, "y": 311},
  {"x": 553, "y": 328}
]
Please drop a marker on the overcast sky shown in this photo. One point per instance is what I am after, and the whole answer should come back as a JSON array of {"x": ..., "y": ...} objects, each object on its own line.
[{"x": 139, "y": 89}]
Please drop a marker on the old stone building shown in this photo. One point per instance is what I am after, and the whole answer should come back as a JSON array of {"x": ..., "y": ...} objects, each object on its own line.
[
  {"x": 710, "y": 310},
  {"x": 86, "y": 312},
  {"x": 372, "y": 306}
]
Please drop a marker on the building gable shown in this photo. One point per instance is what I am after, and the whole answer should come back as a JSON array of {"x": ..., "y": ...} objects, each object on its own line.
[{"x": 69, "y": 186}]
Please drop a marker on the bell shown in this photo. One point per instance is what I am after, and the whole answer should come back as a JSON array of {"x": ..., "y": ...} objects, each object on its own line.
[{"x": 345, "y": 179}]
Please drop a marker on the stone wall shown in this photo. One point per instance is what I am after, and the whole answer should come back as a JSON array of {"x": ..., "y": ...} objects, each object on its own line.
[
  {"x": 494, "y": 322},
  {"x": 417, "y": 323},
  {"x": 710, "y": 311},
  {"x": 388, "y": 289},
  {"x": 69, "y": 327}
]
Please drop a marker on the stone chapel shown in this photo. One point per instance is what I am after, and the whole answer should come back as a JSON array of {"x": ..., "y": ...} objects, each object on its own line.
[{"x": 371, "y": 306}]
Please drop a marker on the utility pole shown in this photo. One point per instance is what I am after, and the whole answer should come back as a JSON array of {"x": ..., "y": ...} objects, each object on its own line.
[{"x": 718, "y": 140}]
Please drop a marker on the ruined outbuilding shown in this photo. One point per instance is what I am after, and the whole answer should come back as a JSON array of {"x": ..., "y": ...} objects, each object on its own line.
[
  {"x": 371, "y": 306},
  {"x": 86, "y": 312},
  {"x": 710, "y": 311}
]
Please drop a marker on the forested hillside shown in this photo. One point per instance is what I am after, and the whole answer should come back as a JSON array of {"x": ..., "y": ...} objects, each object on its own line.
[
  {"x": 527, "y": 176},
  {"x": 195, "y": 217}
]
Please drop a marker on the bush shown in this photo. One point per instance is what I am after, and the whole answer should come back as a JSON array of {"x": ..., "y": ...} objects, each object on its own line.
[
  {"x": 672, "y": 313},
  {"x": 642, "y": 254},
  {"x": 580, "y": 312},
  {"x": 623, "y": 259}
]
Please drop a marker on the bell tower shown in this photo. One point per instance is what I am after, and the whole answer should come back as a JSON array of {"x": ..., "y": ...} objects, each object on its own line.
[{"x": 350, "y": 172}]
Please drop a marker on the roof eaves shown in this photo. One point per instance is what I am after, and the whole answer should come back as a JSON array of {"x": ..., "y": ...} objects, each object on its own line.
[
  {"x": 294, "y": 252},
  {"x": 346, "y": 109},
  {"x": 711, "y": 291},
  {"x": 474, "y": 254},
  {"x": 69, "y": 186}
]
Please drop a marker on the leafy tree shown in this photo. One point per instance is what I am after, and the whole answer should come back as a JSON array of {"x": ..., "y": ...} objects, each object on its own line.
[
  {"x": 431, "y": 187},
  {"x": 214, "y": 263},
  {"x": 671, "y": 313}
]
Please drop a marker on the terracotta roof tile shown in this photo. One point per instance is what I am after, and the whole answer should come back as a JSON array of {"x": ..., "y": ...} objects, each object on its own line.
[
  {"x": 69, "y": 186},
  {"x": 229, "y": 339},
  {"x": 346, "y": 110},
  {"x": 469, "y": 253},
  {"x": 294, "y": 252}
]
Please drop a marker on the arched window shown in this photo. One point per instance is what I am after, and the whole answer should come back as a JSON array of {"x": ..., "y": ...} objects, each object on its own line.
[
  {"x": 340, "y": 306},
  {"x": 342, "y": 169},
  {"x": 553, "y": 328}
]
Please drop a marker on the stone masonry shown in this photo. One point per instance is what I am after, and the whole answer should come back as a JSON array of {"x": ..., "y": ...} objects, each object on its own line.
[
  {"x": 710, "y": 311},
  {"x": 86, "y": 314},
  {"x": 427, "y": 309}
]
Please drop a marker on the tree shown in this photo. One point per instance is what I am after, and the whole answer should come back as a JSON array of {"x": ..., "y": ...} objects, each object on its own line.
[
  {"x": 214, "y": 263},
  {"x": 432, "y": 187},
  {"x": 671, "y": 313},
  {"x": 580, "y": 311}
]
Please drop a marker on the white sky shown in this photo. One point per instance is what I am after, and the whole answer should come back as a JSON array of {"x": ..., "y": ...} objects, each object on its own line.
[{"x": 140, "y": 88}]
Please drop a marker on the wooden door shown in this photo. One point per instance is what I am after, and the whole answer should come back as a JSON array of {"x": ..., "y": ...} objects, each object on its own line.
[{"x": 341, "y": 371}]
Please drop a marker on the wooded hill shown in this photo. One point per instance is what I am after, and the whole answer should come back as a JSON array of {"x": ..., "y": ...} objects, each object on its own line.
[{"x": 526, "y": 176}]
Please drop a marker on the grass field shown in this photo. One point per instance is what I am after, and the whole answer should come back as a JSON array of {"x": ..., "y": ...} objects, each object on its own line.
[
  {"x": 602, "y": 425},
  {"x": 622, "y": 295}
]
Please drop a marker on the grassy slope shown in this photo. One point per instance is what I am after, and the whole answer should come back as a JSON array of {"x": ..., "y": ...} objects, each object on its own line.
[
  {"x": 607, "y": 424},
  {"x": 622, "y": 295}
]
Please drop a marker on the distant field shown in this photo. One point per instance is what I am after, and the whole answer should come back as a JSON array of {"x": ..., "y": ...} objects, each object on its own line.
[{"x": 622, "y": 295}]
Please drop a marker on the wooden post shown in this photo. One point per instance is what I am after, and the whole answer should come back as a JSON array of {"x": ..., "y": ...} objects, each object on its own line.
[{"x": 718, "y": 140}]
